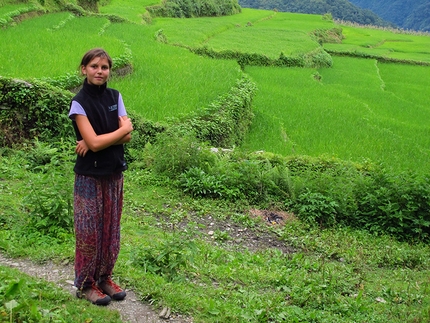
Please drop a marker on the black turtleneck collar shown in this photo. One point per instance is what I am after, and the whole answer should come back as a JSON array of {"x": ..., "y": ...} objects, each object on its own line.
[{"x": 92, "y": 89}]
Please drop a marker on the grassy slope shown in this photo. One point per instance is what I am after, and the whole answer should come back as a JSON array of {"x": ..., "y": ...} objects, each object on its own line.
[{"x": 358, "y": 109}]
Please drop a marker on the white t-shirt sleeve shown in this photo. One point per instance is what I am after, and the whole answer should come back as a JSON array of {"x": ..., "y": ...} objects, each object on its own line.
[
  {"x": 121, "y": 107},
  {"x": 76, "y": 108}
]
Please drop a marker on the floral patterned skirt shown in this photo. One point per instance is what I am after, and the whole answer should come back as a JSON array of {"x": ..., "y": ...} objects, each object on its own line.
[{"x": 97, "y": 212}]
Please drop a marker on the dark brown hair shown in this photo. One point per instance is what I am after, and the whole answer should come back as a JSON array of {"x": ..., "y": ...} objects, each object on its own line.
[{"x": 95, "y": 52}]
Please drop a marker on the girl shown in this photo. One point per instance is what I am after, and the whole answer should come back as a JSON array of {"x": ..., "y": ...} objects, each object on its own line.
[{"x": 102, "y": 127}]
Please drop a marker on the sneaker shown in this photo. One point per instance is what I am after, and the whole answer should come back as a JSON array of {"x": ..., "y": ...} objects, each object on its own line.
[
  {"x": 94, "y": 295},
  {"x": 112, "y": 289}
]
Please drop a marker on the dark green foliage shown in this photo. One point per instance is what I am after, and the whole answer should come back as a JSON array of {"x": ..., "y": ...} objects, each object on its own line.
[
  {"x": 173, "y": 153},
  {"x": 382, "y": 59},
  {"x": 339, "y": 9},
  {"x": 67, "y": 81},
  {"x": 195, "y": 8},
  {"x": 198, "y": 183},
  {"x": 398, "y": 204},
  {"x": 32, "y": 109},
  {"x": 317, "y": 58},
  {"x": 144, "y": 132},
  {"x": 370, "y": 198},
  {"x": 406, "y": 14},
  {"x": 49, "y": 201},
  {"x": 327, "y": 192}
]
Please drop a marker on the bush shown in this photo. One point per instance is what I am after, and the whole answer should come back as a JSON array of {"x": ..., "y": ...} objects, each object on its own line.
[
  {"x": 174, "y": 153},
  {"x": 49, "y": 201},
  {"x": 316, "y": 58},
  {"x": 32, "y": 109}
]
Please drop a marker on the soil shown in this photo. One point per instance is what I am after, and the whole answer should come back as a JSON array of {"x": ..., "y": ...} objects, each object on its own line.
[{"x": 132, "y": 310}]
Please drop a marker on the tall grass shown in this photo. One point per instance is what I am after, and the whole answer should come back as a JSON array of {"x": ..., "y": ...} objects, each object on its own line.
[
  {"x": 348, "y": 114},
  {"x": 195, "y": 32},
  {"x": 129, "y": 9},
  {"x": 55, "y": 48},
  {"x": 169, "y": 81},
  {"x": 253, "y": 31},
  {"x": 6, "y": 9},
  {"x": 384, "y": 43}
]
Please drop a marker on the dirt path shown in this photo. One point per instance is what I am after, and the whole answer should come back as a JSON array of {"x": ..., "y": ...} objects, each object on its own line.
[{"x": 131, "y": 309}]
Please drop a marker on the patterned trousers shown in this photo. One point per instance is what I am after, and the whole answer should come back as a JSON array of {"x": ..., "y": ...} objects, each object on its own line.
[{"x": 97, "y": 212}]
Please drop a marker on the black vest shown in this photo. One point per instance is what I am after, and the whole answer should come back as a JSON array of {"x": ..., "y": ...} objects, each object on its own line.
[{"x": 101, "y": 106}]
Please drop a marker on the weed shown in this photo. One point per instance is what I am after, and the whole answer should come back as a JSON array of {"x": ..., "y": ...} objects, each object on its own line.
[{"x": 168, "y": 257}]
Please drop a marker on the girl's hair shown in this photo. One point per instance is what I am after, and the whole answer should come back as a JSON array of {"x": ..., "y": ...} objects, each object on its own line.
[{"x": 95, "y": 52}]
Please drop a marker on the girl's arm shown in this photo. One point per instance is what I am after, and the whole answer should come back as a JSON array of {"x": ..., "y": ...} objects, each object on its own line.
[
  {"x": 124, "y": 139},
  {"x": 96, "y": 142}
]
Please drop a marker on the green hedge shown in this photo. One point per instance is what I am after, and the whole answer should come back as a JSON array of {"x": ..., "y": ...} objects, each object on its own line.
[
  {"x": 324, "y": 191},
  {"x": 317, "y": 58},
  {"x": 378, "y": 57},
  {"x": 30, "y": 109}
]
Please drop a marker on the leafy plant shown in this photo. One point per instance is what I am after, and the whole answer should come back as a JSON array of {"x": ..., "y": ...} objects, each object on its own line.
[
  {"x": 168, "y": 257},
  {"x": 316, "y": 208},
  {"x": 50, "y": 197},
  {"x": 32, "y": 110},
  {"x": 197, "y": 183}
]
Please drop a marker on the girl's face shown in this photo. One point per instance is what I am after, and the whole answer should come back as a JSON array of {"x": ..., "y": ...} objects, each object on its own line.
[{"x": 97, "y": 71}]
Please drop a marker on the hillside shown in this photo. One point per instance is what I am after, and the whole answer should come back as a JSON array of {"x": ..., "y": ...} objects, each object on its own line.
[
  {"x": 340, "y": 9},
  {"x": 407, "y": 14}
]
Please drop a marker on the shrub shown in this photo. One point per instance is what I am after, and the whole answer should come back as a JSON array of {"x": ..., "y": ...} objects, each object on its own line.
[
  {"x": 49, "y": 201},
  {"x": 174, "y": 153},
  {"x": 168, "y": 257},
  {"x": 30, "y": 110}
]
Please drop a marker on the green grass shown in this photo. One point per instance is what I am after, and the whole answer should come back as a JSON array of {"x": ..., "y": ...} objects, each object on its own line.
[
  {"x": 6, "y": 9},
  {"x": 26, "y": 299},
  {"x": 253, "y": 31},
  {"x": 129, "y": 9},
  {"x": 349, "y": 114},
  {"x": 333, "y": 275},
  {"x": 169, "y": 81},
  {"x": 384, "y": 43},
  {"x": 194, "y": 32},
  {"x": 50, "y": 55}
]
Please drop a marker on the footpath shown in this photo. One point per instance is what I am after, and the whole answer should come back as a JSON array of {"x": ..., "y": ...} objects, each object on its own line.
[{"x": 131, "y": 309}]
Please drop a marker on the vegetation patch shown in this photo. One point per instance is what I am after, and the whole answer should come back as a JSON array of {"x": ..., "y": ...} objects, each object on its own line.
[
  {"x": 32, "y": 110},
  {"x": 199, "y": 8},
  {"x": 333, "y": 35}
]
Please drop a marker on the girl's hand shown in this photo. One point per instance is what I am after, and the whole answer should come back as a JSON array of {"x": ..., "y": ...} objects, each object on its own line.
[
  {"x": 81, "y": 148},
  {"x": 125, "y": 122}
]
